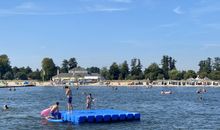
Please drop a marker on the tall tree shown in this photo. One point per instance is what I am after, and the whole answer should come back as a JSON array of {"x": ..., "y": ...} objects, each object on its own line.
[
  {"x": 114, "y": 71},
  {"x": 172, "y": 63},
  {"x": 152, "y": 72},
  {"x": 216, "y": 64},
  {"x": 165, "y": 66},
  {"x": 124, "y": 71},
  {"x": 48, "y": 68},
  {"x": 205, "y": 67},
  {"x": 64, "y": 67},
  {"x": 168, "y": 63},
  {"x": 105, "y": 73},
  {"x": 72, "y": 63},
  {"x": 136, "y": 69},
  {"x": 4, "y": 65}
]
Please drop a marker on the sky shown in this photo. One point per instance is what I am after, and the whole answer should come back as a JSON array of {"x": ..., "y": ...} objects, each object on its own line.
[{"x": 100, "y": 32}]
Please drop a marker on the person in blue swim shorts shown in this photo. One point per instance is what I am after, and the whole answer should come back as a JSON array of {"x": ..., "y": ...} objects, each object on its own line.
[
  {"x": 69, "y": 98},
  {"x": 54, "y": 111}
]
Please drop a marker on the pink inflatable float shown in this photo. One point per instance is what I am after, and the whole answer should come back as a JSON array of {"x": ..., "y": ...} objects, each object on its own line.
[{"x": 45, "y": 112}]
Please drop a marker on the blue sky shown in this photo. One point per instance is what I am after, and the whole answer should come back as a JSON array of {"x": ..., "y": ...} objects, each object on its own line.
[{"x": 100, "y": 32}]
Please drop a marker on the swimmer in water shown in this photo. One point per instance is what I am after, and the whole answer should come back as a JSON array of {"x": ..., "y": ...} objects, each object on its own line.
[{"x": 5, "y": 107}]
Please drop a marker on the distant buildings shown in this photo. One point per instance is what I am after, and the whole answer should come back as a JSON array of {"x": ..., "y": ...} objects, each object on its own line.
[{"x": 77, "y": 75}]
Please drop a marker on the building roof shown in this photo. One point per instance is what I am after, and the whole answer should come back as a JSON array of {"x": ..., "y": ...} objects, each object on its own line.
[
  {"x": 63, "y": 75},
  {"x": 94, "y": 74},
  {"x": 78, "y": 69}
]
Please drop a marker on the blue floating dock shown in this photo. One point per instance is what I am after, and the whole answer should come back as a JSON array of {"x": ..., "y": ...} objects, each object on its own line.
[{"x": 98, "y": 116}]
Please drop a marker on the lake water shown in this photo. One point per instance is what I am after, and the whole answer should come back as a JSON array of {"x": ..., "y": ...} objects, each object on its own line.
[{"x": 182, "y": 110}]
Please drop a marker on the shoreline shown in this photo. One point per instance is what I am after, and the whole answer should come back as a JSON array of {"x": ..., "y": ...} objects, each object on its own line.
[{"x": 108, "y": 83}]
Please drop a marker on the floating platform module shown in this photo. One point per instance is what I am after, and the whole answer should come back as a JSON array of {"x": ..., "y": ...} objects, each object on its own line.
[{"x": 97, "y": 116}]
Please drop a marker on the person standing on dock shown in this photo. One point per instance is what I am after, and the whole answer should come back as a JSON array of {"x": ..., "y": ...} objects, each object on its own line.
[{"x": 69, "y": 98}]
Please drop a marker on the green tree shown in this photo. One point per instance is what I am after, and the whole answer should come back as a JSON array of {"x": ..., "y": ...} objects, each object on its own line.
[
  {"x": 72, "y": 63},
  {"x": 216, "y": 64},
  {"x": 165, "y": 66},
  {"x": 114, "y": 71},
  {"x": 36, "y": 75},
  {"x": 93, "y": 70},
  {"x": 124, "y": 71},
  {"x": 8, "y": 75},
  {"x": 4, "y": 65},
  {"x": 168, "y": 63},
  {"x": 215, "y": 75},
  {"x": 64, "y": 67},
  {"x": 175, "y": 74},
  {"x": 205, "y": 67},
  {"x": 136, "y": 69},
  {"x": 190, "y": 74},
  {"x": 48, "y": 68},
  {"x": 105, "y": 73},
  {"x": 28, "y": 70},
  {"x": 172, "y": 63},
  {"x": 152, "y": 72},
  {"x": 21, "y": 76}
]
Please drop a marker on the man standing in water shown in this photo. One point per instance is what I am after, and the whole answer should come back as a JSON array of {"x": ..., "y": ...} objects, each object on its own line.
[
  {"x": 89, "y": 100},
  {"x": 69, "y": 98}
]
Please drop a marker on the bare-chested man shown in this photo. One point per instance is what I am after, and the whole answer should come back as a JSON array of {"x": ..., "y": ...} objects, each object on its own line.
[{"x": 69, "y": 98}]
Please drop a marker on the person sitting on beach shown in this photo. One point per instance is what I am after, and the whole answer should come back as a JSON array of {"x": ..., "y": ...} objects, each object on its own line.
[
  {"x": 5, "y": 107},
  {"x": 89, "y": 100},
  {"x": 54, "y": 111},
  {"x": 69, "y": 98}
]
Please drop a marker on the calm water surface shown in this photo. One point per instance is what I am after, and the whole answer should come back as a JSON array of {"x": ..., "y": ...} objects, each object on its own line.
[{"x": 182, "y": 110}]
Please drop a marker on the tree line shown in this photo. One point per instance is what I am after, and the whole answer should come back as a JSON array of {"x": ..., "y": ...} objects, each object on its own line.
[{"x": 209, "y": 68}]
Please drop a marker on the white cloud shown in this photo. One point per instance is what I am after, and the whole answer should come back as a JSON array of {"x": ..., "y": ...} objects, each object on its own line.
[
  {"x": 102, "y": 8},
  {"x": 178, "y": 10},
  {"x": 30, "y": 8}
]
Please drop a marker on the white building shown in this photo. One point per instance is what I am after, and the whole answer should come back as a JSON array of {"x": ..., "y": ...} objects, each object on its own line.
[{"x": 77, "y": 75}]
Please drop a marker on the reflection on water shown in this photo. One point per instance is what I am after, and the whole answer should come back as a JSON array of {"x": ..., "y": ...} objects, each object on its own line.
[{"x": 182, "y": 110}]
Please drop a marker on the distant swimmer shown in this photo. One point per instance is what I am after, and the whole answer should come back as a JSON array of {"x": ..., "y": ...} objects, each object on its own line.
[
  {"x": 5, "y": 107},
  {"x": 201, "y": 91},
  {"x": 166, "y": 92}
]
